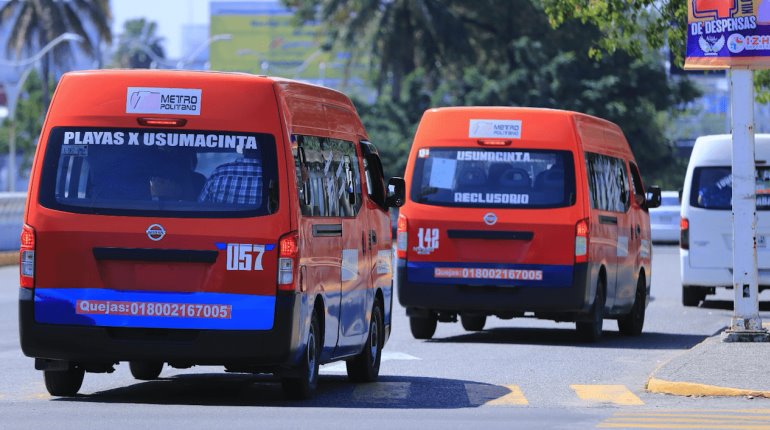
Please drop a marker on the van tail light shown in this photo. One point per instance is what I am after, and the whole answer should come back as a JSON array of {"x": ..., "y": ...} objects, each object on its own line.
[
  {"x": 684, "y": 233},
  {"x": 287, "y": 261},
  {"x": 581, "y": 241},
  {"x": 27, "y": 257},
  {"x": 401, "y": 235}
]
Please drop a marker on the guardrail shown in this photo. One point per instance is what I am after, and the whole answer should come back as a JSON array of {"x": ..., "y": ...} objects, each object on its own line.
[{"x": 11, "y": 219}]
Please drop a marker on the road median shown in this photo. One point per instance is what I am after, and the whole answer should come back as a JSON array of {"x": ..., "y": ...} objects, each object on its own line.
[{"x": 9, "y": 258}]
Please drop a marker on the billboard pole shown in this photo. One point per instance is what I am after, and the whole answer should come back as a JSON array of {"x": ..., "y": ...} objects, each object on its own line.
[{"x": 746, "y": 324}]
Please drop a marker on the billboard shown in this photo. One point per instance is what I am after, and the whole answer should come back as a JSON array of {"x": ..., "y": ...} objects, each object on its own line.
[
  {"x": 265, "y": 41},
  {"x": 728, "y": 33}
]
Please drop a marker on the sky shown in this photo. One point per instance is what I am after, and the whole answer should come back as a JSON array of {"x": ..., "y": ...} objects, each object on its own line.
[{"x": 170, "y": 15}]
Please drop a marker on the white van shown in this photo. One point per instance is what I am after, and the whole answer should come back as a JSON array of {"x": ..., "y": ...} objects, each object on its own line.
[{"x": 706, "y": 239}]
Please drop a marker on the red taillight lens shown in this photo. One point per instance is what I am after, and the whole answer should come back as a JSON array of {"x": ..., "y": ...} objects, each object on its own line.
[
  {"x": 287, "y": 261},
  {"x": 162, "y": 122},
  {"x": 684, "y": 233},
  {"x": 401, "y": 235},
  {"x": 27, "y": 257},
  {"x": 581, "y": 241}
]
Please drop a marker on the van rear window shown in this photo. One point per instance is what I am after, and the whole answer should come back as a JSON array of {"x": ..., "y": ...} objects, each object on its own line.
[
  {"x": 712, "y": 188},
  {"x": 484, "y": 177},
  {"x": 153, "y": 172}
]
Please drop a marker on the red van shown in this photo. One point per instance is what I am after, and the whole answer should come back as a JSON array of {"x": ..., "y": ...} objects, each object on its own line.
[
  {"x": 519, "y": 212},
  {"x": 196, "y": 218}
]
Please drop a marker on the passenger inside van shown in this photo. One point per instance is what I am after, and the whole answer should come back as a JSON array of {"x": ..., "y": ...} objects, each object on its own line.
[
  {"x": 236, "y": 182},
  {"x": 176, "y": 178}
]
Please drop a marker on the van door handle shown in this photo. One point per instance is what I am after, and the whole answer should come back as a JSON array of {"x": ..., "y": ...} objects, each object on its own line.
[
  {"x": 606, "y": 219},
  {"x": 372, "y": 237},
  {"x": 327, "y": 230}
]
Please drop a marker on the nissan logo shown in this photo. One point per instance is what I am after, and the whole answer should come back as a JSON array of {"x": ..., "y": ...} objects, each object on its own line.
[
  {"x": 156, "y": 232},
  {"x": 490, "y": 218}
]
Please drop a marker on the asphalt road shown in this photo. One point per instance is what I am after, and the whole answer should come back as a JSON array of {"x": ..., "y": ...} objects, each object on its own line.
[{"x": 520, "y": 373}]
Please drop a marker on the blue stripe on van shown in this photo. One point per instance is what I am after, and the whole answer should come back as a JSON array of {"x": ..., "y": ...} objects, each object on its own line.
[
  {"x": 553, "y": 275},
  {"x": 60, "y": 306}
]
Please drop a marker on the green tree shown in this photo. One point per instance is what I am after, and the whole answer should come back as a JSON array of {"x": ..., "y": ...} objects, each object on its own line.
[
  {"x": 522, "y": 61},
  {"x": 397, "y": 36},
  {"x": 138, "y": 45},
  {"x": 30, "y": 113},
  {"x": 635, "y": 26},
  {"x": 34, "y": 23}
]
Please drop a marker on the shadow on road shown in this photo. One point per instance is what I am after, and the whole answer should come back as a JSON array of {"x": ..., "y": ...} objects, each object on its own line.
[
  {"x": 567, "y": 337},
  {"x": 390, "y": 392}
]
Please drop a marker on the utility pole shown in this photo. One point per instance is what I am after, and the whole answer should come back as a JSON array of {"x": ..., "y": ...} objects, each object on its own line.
[{"x": 746, "y": 324}]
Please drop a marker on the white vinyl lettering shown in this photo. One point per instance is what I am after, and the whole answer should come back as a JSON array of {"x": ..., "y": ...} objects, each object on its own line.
[{"x": 244, "y": 256}]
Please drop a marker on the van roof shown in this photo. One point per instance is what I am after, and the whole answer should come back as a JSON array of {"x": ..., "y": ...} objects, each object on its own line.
[
  {"x": 300, "y": 101},
  {"x": 716, "y": 150},
  {"x": 547, "y": 126}
]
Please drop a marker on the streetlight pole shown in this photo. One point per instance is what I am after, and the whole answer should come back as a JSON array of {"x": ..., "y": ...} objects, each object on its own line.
[
  {"x": 13, "y": 92},
  {"x": 215, "y": 38}
]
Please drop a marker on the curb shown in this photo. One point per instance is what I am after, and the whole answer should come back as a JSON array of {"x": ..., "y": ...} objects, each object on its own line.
[
  {"x": 9, "y": 258},
  {"x": 660, "y": 386}
]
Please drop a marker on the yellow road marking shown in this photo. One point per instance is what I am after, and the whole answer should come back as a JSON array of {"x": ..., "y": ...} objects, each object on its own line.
[
  {"x": 382, "y": 391},
  {"x": 495, "y": 395},
  {"x": 656, "y": 385},
  {"x": 690, "y": 419},
  {"x": 617, "y": 394},
  {"x": 684, "y": 426}
]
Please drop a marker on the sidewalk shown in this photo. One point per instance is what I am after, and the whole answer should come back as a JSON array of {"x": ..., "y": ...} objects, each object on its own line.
[{"x": 714, "y": 368}]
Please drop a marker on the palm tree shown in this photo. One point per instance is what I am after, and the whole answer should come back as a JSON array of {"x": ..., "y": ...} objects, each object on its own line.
[
  {"x": 138, "y": 45},
  {"x": 34, "y": 23},
  {"x": 397, "y": 36}
]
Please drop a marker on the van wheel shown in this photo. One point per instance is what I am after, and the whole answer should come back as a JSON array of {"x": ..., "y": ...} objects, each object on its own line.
[
  {"x": 145, "y": 370},
  {"x": 473, "y": 322},
  {"x": 692, "y": 296},
  {"x": 423, "y": 327},
  {"x": 63, "y": 383},
  {"x": 303, "y": 387},
  {"x": 591, "y": 330},
  {"x": 631, "y": 324},
  {"x": 365, "y": 367}
]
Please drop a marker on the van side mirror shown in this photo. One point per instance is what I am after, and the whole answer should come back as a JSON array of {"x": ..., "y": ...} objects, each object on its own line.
[
  {"x": 653, "y": 197},
  {"x": 396, "y": 193}
]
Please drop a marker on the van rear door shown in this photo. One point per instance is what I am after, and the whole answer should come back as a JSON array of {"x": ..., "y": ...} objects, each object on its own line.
[
  {"x": 493, "y": 216},
  {"x": 158, "y": 228},
  {"x": 711, "y": 238}
]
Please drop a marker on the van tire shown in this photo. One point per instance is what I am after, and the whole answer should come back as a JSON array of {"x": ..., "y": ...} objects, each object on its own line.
[
  {"x": 591, "y": 330},
  {"x": 473, "y": 322},
  {"x": 692, "y": 296},
  {"x": 365, "y": 367},
  {"x": 303, "y": 387},
  {"x": 63, "y": 383},
  {"x": 145, "y": 370},
  {"x": 423, "y": 327},
  {"x": 632, "y": 324}
]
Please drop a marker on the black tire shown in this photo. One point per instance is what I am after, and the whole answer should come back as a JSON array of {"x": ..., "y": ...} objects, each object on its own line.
[
  {"x": 145, "y": 370},
  {"x": 303, "y": 387},
  {"x": 365, "y": 367},
  {"x": 473, "y": 322},
  {"x": 65, "y": 383},
  {"x": 692, "y": 296},
  {"x": 591, "y": 330},
  {"x": 422, "y": 327},
  {"x": 632, "y": 324}
]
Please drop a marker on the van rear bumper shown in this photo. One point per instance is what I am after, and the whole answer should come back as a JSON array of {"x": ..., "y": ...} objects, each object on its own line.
[
  {"x": 277, "y": 347},
  {"x": 575, "y": 298}
]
